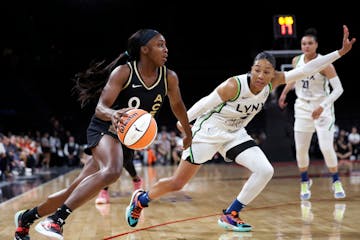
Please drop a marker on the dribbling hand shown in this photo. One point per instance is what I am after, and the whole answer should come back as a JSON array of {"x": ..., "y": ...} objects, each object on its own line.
[{"x": 117, "y": 116}]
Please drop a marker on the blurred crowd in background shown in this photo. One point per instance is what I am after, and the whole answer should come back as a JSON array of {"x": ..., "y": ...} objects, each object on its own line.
[{"x": 29, "y": 153}]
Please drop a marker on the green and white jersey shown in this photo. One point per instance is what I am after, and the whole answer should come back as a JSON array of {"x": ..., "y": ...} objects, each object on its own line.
[
  {"x": 312, "y": 88},
  {"x": 239, "y": 111}
]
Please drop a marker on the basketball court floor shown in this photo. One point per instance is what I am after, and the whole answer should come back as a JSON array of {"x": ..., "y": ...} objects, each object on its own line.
[{"x": 192, "y": 213}]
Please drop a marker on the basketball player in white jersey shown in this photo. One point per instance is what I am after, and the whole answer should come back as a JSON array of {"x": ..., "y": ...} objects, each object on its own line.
[
  {"x": 221, "y": 118},
  {"x": 314, "y": 111}
]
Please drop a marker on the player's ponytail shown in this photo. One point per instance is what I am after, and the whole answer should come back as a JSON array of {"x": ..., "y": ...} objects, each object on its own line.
[{"x": 89, "y": 84}]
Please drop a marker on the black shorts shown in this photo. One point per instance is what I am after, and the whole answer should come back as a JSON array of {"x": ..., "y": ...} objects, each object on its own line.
[{"x": 96, "y": 130}]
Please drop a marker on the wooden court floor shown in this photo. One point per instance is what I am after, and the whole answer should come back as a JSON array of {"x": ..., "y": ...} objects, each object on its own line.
[{"x": 192, "y": 213}]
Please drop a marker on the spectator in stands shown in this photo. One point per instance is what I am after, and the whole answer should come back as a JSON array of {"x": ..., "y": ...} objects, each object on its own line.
[
  {"x": 3, "y": 159},
  {"x": 176, "y": 148},
  {"x": 57, "y": 153},
  {"x": 71, "y": 152},
  {"x": 343, "y": 151},
  {"x": 46, "y": 150},
  {"x": 342, "y": 147},
  {"x": 149, "y": 156},
  {"x": 354, "y": 140},
  {"x": 163, "y": 149},
  {"x": 12, "y": 155}
]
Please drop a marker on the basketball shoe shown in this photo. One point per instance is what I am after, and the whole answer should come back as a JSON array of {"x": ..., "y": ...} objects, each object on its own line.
[
  {"x": 138, "y": 182},
  {"x": 338, "y": 190},
  {"x": 133, "y": 211},
  {"x": 232, "y": 221},
  {"x": 50, "y": 228},
  {"x": 305, "y": 192},
  {"x": 22, "y": 230},
  {"x": 103, "y": 197}
]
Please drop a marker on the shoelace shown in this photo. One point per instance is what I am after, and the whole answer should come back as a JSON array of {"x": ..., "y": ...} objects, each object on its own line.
[
  {"x": 135, "y": 213},
  {"x": 235, "y": 216}
]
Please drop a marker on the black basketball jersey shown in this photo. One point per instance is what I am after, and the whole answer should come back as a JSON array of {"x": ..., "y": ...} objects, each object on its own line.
[{"x": 137, "y": 95}]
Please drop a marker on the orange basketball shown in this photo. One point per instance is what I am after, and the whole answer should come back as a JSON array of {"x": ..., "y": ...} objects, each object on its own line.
[{"x": 138, "y": 130}]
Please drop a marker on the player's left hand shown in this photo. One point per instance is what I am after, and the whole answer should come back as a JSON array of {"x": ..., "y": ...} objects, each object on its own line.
[
  {"x": 317, "y": 112},
  {"x": 187, "y": 140}
]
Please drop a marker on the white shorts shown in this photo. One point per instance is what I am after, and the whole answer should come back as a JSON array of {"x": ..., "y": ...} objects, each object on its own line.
[
  {"x": 305, "y": 123},
  {"x": 209, "y": 139}
]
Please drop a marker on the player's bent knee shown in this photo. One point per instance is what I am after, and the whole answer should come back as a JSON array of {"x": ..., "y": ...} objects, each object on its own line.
[{"x": 268, "y": 172}]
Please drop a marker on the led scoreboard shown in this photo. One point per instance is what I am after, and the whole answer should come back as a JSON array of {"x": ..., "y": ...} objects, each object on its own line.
[{"x": 284, "y": 26}]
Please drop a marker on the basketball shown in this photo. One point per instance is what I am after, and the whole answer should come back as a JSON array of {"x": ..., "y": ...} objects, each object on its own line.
[{"x": 138, "y": 129}]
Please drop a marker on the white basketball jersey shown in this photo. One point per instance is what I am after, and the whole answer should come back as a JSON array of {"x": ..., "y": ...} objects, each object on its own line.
[
  {"x": 312, "y": 88},
  {"x": 238, "y": 112}
]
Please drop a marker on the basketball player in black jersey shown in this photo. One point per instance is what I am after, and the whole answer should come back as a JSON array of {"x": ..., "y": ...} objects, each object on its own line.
[{"x": 138, "y": 78}]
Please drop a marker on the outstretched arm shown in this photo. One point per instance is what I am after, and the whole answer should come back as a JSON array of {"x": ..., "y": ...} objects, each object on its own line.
[
  {"x": 315, "y": 65},
  {"x": 318, "y": 64}
]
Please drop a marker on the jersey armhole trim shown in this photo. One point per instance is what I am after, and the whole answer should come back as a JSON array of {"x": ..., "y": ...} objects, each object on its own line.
[
  {"x": 130, "y": 75},
  {"x": 238, "y": 89},
  {"x": 164, "y": 70}
]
